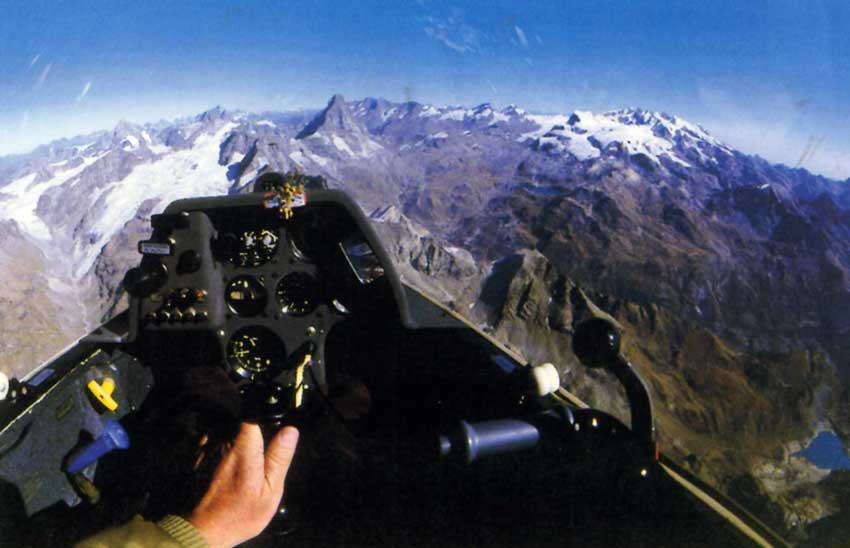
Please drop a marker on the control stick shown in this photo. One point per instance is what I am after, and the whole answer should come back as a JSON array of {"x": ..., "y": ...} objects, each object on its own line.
[{"x": 596, "y": 344}]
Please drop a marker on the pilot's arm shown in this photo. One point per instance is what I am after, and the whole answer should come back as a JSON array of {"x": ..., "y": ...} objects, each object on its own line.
[
  {"x": 242, "y": 499},
  {"x": 170, "y": 532}
]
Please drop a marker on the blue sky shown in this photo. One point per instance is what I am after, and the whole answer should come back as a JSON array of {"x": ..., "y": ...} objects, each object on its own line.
[{"x": 771, "y": 78}]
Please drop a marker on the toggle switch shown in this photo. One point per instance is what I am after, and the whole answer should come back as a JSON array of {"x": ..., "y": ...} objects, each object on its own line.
[{"x": 103, "y": 393}]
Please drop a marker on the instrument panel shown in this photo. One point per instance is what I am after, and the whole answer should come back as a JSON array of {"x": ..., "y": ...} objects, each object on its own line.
[
  {"x": 276, "y": 300},
  {"x": 268, "y": 287}
]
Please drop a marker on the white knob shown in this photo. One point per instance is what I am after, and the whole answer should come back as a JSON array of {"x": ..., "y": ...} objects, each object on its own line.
[
  {"x": 546, "y": 379},
  {"x": 4, "y": 386}
]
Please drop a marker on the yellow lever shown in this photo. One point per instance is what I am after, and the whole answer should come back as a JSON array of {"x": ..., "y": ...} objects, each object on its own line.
[
  {"x": 103, "y": 393},
  {"x": 299, "y": 381}
]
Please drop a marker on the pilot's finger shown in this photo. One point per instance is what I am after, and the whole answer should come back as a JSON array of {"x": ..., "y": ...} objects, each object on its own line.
[
  {"x": 249, "y": 441},
  {"x": 279, "y": 455}
]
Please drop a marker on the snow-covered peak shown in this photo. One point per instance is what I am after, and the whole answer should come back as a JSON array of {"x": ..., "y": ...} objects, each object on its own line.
[
  {"x": 401, "y": 121},
  {"x": 513, "y": 110},
  {"x": 213, "y": 114},
  {"x": 124, "y": 128},
  {"x": 656, "y": 135},
  {"x": 484, "y": 109},
  {"x": 661, "y": 123},
  {"x": 125, "y": 136}
]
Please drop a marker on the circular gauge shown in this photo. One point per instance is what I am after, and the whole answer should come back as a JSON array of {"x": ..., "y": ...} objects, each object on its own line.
[
  {"x": 316, "y": 231},
  {"x": 300, "y": 248},
  {"x": 255, "y": 247},
  {"x": 306, "y": 238},
  {"x": 297, "y": 294},
  {"x": 246, "y": 296},
  {"x": 254, "y": 349}
]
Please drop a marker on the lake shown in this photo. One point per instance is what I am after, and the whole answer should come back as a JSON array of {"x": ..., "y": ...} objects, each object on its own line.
[{"x": 826, "y": 451}]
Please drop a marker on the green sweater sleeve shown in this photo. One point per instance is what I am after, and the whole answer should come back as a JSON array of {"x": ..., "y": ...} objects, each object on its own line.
[{"x": 170, "y": 532}]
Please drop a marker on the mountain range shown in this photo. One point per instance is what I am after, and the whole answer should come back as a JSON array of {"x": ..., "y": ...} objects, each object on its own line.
[{"x": 729, "y": 276}]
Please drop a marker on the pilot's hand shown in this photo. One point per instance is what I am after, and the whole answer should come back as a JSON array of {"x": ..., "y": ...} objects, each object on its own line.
[{"x": 246, "y": 488}]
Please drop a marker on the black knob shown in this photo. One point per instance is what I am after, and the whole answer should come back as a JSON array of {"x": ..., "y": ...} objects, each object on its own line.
[
  {"x": 144, "y": 280},
  {"x": 189, "y": 261},
  {"x": 265, "y": 404},
  {"x": 596, "y": 343},
  {"x": 188, "y": 315}
]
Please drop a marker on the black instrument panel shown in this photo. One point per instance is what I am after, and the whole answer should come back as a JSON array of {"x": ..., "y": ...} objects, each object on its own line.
[
  {"x": 278, "y": 297},
  {"x": 268, "y": 287}
]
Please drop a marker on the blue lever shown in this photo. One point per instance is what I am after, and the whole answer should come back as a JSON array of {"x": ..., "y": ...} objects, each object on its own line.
[{"x": 113, "y": 437}]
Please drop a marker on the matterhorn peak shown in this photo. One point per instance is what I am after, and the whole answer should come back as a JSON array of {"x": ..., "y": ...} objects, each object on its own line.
[
  {"x": 335, "y": 116},
  {"x": 337, "y": 101}
]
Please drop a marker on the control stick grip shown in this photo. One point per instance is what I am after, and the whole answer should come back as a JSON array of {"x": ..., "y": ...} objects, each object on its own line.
[{"x": 472, "y": 441}]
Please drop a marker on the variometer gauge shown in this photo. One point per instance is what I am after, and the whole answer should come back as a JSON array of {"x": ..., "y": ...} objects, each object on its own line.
[
  {"x": 254, "y": 350},
  {"x": 256, "y": 247}
]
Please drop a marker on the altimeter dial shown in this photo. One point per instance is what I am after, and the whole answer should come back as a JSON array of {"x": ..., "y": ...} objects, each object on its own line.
[{"x": 254, "y": 350}]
